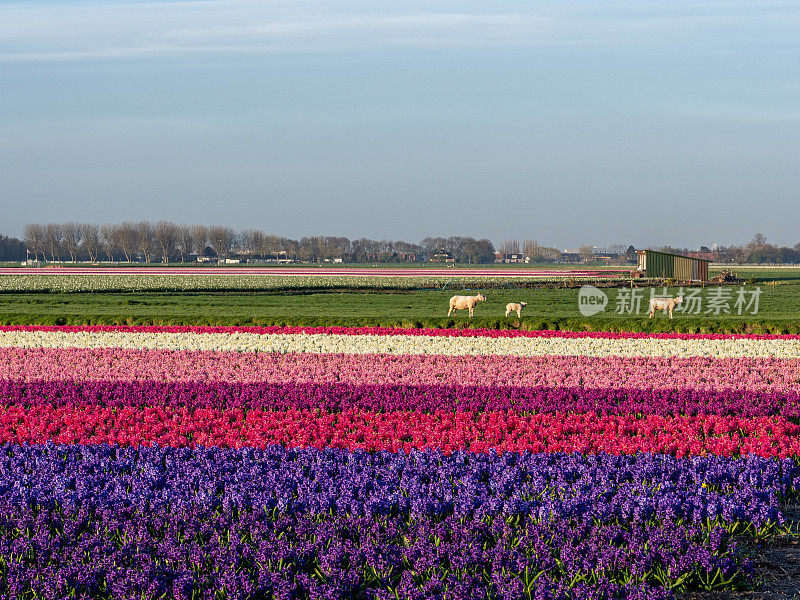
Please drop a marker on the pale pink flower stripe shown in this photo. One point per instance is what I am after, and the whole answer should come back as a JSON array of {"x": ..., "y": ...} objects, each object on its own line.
[
  {"x": 396, "y": 431},
  {"x": 114, "y": 364},
  {"x": 463, "y": 332}
]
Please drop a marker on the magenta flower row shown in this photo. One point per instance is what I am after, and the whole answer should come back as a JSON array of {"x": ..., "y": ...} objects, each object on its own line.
[{"x": 462, "y": 332}]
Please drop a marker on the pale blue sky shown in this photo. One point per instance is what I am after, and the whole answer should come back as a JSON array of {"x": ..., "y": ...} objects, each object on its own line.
[{"x": 564, "y": 121}]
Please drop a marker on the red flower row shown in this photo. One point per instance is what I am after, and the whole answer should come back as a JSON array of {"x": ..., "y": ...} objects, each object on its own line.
[{"x": 403, "y": 430}]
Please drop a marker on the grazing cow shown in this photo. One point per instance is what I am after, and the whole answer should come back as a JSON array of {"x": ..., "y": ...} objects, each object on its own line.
[
  {"x": 515, "y": 307},
  {"x": 464, "y": 303},
  {"x": 665, "y": 304}
]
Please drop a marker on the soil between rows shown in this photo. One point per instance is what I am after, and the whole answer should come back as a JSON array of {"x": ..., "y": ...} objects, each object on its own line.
[{"x": 776, "y": 568}]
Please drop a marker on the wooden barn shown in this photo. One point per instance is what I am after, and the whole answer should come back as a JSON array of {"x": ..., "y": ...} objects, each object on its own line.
[{"x": 672, "y": 266}]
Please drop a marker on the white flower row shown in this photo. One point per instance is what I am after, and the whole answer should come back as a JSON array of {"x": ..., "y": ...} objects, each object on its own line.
[
  {"x": 151, "y": 281},
  {"x": 405, "y": 344}
]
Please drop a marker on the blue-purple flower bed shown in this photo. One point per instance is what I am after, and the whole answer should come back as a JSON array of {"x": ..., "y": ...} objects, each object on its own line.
[{"x": 109, "y": 522}]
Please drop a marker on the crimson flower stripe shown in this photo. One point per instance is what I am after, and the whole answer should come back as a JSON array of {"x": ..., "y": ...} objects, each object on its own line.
[{"x": 405, "y": 431}]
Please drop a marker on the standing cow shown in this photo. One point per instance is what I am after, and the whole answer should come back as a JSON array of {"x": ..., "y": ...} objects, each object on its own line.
[{"x": 465, "y": 303}]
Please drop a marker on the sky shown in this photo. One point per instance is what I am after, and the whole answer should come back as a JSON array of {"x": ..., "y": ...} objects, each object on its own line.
[{"x": 568, "y": 122}]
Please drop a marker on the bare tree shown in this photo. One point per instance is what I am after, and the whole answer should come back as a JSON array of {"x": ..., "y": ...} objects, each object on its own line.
[
  {"x": 509, "y": 247},
  {"x": 471, "y": 249},
  {"x": 252, "y": 241},
  {"x": 259, "y": 242},
  {"x": 52, "y": 240},
  {"x": 90, "y": 233},
  {"x": 126, "y": 238},
  {"x": 290, "y": 248},
  {"x": 586, "y": 252},
  {"x": 455, "y": 246},
  {"x": 551, "y": 253},
  {"x": 108, "y": 240},
  {"x": 531, "y": 249},
  {"x": 738, "y": 254},
  {"x": 34, "y": 239},
  {"x": 71, "y": 234},
  {"x": 386, "y": 249},
  {"x": 144, "y": 232},
  {"x": 309, "y": 249},
  {"x": 432, "y": 246},
  {"x": 221, "y": 240},
  {"x": 185, "y": 241},
  {"x": 165, "y": 235},
  {"x": 373, "y": 248},
  {"x": 268, "y": 244},
  {"x": 339, "y": 247},
  {"x": 200, "y": 235}
]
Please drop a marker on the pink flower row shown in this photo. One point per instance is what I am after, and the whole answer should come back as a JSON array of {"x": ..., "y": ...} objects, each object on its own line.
[
  {"x": 396, "y": 431},
  {"x": 465, "y": 332},
  {"x": 114, "y": 364}
]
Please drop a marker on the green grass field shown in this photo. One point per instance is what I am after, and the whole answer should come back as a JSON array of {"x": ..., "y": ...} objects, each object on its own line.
[
  {"x": 779, "y": 309},
  {"x": 295, "y": 301}
]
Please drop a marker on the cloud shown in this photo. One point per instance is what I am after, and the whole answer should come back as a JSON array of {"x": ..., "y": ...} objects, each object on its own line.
[
  {"x": 89, "y": 30},
  {"x": 51, "y": 31}
]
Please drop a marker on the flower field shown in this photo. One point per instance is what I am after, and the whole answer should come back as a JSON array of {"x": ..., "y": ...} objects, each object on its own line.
[
  {"x": 249, "y": 278},
  {"x": 213, "y": 462}
]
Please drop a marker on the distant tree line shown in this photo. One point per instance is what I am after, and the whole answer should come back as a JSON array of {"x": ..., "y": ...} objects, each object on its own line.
[
  {"x": 756, "y": 251},
  {"x": 167, "y": 242},
  {"x": 531, "y": 250}
]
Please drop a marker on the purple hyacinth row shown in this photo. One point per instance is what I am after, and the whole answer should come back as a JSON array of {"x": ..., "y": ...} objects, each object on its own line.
[
  {"x": 100, "y": 521},
  {"x": 643, "y": 487},
  {"x": 336, "y": 397},
  {"x": 119, "y": 553}
]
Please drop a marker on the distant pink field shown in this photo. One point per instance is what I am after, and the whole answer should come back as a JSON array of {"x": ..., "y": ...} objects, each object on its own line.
[{"x": 333, "y": 272}]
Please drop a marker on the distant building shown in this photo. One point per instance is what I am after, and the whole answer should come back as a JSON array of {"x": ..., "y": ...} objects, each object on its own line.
[
  {"x": 509, "y": 257},
  {"x": 441, "y": 257},
  {"x": 611, "y": 252}
]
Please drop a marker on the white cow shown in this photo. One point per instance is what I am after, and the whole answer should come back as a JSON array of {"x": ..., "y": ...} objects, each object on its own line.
[
  {"x": 464, "y": 303},
  {"x": 515, "y": 307},
  {"x": 664, "y": 304}
]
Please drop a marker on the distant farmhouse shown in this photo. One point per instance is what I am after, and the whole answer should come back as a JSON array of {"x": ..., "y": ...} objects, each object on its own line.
[
  {"x": 510, "y": 257},
  {"x": 442, "y": 257}
]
